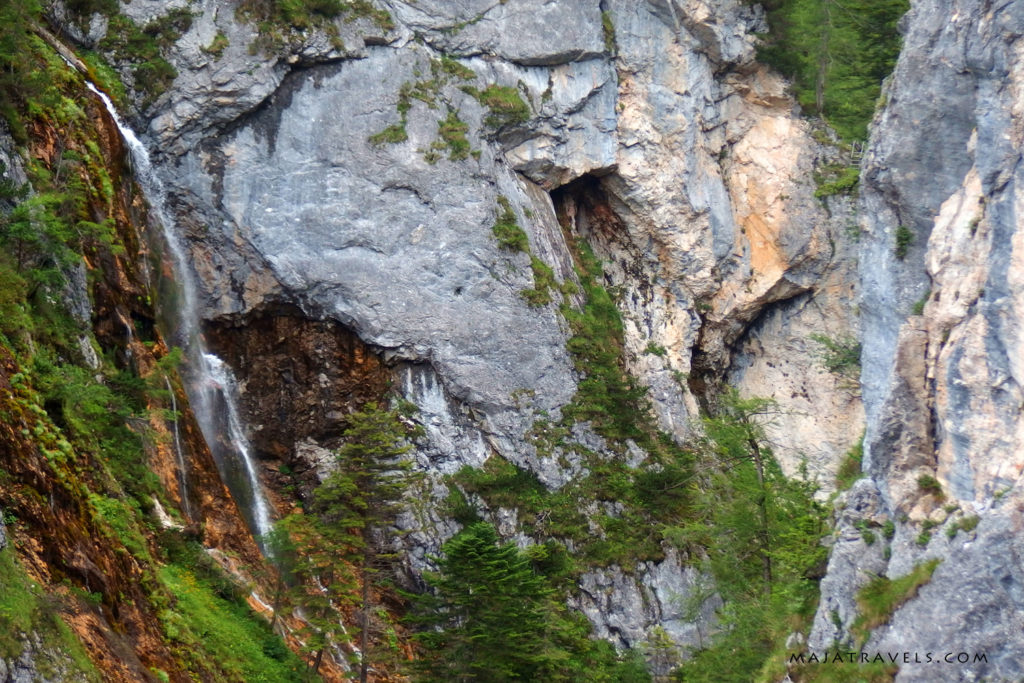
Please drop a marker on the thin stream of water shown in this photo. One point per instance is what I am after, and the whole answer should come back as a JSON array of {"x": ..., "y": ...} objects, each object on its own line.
[{"x": 209, "y": 382}]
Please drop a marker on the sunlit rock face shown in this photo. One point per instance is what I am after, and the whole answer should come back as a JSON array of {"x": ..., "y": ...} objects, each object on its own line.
[
  {"x": 661, "y": 143},
  {"x": 942, "y": 344}
]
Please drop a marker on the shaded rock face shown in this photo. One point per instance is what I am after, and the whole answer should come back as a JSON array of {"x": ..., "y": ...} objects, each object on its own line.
[
  {"x": 942, "y": 380},
  {"x": 300, "y": 378},
  {"x": 671, "y": 151},
  {"x": 679, "y": 599}
]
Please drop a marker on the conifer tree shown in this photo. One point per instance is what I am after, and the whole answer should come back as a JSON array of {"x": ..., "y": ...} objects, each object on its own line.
[
  {"x": 363, "y": 496},
  {"x": 489, "y": 609},
  {"x": 334, "y": 550},
  {"x": 760, "y": 532},
  {"x": 492, "y": 616},
  {"x": 837, "y": 52}
]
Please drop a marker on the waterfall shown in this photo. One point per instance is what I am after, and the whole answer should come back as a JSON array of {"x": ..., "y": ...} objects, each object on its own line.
[
  {"x": 222, "y": 383},
  {"x": 209, "y": 382}
]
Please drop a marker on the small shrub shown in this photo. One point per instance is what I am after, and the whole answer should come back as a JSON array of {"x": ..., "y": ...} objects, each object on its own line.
[
  {"x": 656, "y": 350},
  {"x": 850, "y": 468},
  {"x": 889, "y": 529},
  {"x": 609, "y": 32},
  {"x": 918, "y": 307},
  {"x": 904, "y": 238},
  {"x": 833, "y": 181},
  {"x": 142, "y": 47},
  {"x": 840, "y": 356},
  {"x": 930, "y": 485}
]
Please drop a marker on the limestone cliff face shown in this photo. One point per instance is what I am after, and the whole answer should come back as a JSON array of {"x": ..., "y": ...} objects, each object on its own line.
[
  {"x": 337, "y": 196},
  {"x": 942, "y": 378},
  {"x": 650, "y": 131}
]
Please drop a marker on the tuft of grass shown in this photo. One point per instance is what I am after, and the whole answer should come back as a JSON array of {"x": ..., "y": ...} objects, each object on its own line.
[
  {"x": 506, "y": 229},
  {"x": 850, "y": 468},
  {"x": 454, "y": 68},
  {"x": 865, "y": 532},
  {"x": 930, "y": 485},
  {"x": 543, "y": 282},
  {"x": 217, "y": 47},
  {"x": 453, "y": 137},
  {"x": 904, "y": 238},
  {"x": 393, "y": 134},
  {"x": 880, "y": 599},
  {"x": 966, "y": 524},
  {"x": 507, "y": 107}
]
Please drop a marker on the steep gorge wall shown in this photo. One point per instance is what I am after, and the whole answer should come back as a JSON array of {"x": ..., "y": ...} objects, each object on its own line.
[
  {"x": 683, "y": 164},
  {"x": 941, "y": 379},
  {"x": 699, "y": 168},
  {"x": 76, "y": 593}
]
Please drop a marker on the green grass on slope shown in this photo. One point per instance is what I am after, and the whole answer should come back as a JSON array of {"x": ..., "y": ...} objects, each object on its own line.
[
  {"x": 25, "y": 610},
  {"x": 242, "y": 645}
]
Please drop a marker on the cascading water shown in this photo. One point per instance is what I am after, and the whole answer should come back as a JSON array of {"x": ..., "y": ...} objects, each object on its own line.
[
  {"x": 209, "y": 383},
  {"x": 221, "y": 385}
]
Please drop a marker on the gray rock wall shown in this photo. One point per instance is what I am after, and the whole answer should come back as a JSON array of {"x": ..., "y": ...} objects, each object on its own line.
[
  {"x": 942, "y": 381},
  {"x": 713, "y": 240}
]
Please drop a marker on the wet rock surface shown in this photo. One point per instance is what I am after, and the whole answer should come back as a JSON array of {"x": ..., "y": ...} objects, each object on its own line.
[{"x": 300, "y": 378}]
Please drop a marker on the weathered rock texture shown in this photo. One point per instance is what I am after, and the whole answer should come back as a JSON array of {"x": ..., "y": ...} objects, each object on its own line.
[
  {"x": 666, "y": 147},
  {"x": 942, "y": 381}
]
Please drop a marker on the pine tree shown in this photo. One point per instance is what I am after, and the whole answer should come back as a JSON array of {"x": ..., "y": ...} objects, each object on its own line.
[
  {"x": 490, "y": 610},
  {"x": 761, "y": 534},
  {"x": 492, "y": 616},
  {"x": 334, "y": 552},
  {"x": 837, "y": 53},
  {"x": 364, "y": 495}
]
